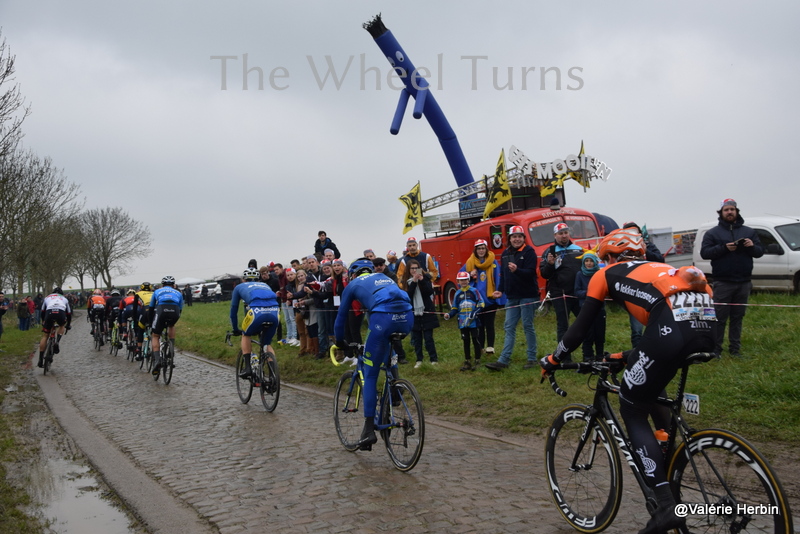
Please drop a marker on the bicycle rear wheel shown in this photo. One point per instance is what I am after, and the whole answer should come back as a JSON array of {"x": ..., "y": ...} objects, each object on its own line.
[
  {"x": 405, "y": 438},
  {"x": 722, "y": 469},
  {"x": 167, "y": 357},
  {"x": 270, "y": 383},
  {"x": 244, "y": 386},
  {"x": 48, "y": 354},
  {"x": 348, "y": 410},
  {"x": 98, "y": 336},
  {"x": 584, "y": 477}
]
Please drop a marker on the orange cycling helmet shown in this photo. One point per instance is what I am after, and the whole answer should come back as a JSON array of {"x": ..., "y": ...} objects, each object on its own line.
[{"x": 622, "y": 242}]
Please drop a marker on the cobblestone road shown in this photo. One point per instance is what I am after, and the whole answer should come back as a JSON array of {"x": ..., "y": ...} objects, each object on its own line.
[{"x": 244, "y": 470}]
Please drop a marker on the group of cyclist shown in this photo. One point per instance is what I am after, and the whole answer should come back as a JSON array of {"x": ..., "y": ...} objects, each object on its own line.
[
  {"x": 675, "y": 304},
  {"x": 148, "y": 307}
]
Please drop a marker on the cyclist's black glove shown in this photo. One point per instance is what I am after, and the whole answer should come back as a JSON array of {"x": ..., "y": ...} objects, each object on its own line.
[
  {"x": 549, "y": 363},
  {"x": 237, "y": 332},
  {"x": 617, "y": 361}
]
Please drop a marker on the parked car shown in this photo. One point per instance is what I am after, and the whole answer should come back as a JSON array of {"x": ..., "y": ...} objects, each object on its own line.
[
  {"x": 779, "y": 267},
  {"x": 214, "y": 292}
]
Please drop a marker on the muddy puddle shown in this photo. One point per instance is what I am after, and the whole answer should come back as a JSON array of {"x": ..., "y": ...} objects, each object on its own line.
[{"x": 71, "y": 500}]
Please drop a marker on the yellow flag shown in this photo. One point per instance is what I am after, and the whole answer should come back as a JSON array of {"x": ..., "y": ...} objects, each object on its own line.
[
  {"x": 500, "y": 192},
  {"x": 413, "y": 202}
]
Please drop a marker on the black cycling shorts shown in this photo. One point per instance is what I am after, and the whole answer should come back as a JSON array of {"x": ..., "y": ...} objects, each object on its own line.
[
  {"x": 53, "y": 317},
  {"x": 165, "y": 315}
]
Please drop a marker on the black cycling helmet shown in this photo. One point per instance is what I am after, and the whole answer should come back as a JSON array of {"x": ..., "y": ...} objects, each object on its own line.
[
  {"x": 146, "y": 286},
  {"x": 58, "y": 290},
  {"x": 361, "y": 266}
]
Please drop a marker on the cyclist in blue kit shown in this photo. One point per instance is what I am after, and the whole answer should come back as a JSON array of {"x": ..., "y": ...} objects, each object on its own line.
[
  {"x": 390, "y": 312},
  {"x": 262, "y": 307},
  {"x": 165, "y": 310}
]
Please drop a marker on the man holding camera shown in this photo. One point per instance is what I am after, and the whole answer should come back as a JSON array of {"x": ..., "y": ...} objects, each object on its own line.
[{"x": 731, "y": 247}]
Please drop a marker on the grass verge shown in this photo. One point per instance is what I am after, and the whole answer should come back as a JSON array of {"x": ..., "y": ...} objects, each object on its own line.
[{"x": 16, "y": 347}]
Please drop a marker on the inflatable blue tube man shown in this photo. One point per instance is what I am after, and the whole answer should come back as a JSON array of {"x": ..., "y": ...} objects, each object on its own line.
[{"x": 424, "y": 102}]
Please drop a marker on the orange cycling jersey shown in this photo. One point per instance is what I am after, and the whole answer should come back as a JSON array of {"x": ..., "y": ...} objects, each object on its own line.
[
  {"x": 96, "y": 301},
  {"x": 640, "y": 285}
]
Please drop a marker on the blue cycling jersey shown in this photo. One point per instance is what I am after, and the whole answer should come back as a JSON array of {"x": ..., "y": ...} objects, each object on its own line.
[
  {"x": 167, "y": 295},
  {"x": 253, "y": 294},
  {"x": 377, "y": 293}
]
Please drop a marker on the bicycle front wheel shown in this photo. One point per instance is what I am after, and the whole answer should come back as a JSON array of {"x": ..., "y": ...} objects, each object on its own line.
[
  {"x": 584, "y": 475},
  {"x": 405, "y": 436},
  {"x": 348, "y": 410},
  {"x": 727, "y": 486},
  {"x": 270, "y": 383},
  {"x": 244, "y": 386}
]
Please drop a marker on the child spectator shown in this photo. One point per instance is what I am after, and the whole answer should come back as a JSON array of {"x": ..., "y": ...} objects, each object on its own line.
[
  {"x": 594, "y": 343},
  {"x": 466, "y": 303}
]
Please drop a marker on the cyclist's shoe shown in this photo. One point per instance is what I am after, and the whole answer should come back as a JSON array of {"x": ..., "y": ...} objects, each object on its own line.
[
  {"x": 56, "y": 349},
  {"x": 397, "y": 397},
  {"x": 246, "y": 373},
  {"x": 664, "y": 518},
  {"x": 368, "y": 439},
  {"x": 102, "y": 342},
  {"x": 139, "y": 356},
  {"x": 157, "y": 367},
  {"x": 41, "y": 362}
]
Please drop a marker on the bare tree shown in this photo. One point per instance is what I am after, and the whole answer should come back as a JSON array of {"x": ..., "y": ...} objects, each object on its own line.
[
  {"x": 114, "y": 239},
  {"x": 57, "y": 252},
  {"x": 34, "y": 195},
  {"x": 12, "y": 106}
]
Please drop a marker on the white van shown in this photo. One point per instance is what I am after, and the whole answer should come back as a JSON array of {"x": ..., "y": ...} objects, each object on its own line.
[{"x": 779, "y": 267}]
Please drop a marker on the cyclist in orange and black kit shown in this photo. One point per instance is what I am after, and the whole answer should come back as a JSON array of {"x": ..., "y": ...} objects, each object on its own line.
[
  {"x": 125, "y": 312},
  {"x": 677, "y": 308},
  {"x": 96, "y": 306}
]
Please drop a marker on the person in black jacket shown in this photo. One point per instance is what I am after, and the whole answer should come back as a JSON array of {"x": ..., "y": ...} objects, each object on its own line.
[
  {"x": 324, "y": 242},
  {"x": 651, "y": 254},
  {"x": 560, "y": 264},
  {"x": 518, "y": 283},
  {"x": 420, "y": 290},
  {"x": 731, "y": 247}
]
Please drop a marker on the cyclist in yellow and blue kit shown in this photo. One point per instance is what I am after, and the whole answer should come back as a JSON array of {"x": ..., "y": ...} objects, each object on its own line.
[
  {"x": 390, "y": 312},
  {"x": 165, "y": 309},
  {"x": 262, "y": 307}
]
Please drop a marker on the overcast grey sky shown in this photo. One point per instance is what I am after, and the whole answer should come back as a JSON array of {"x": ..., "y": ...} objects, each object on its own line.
[{"x": 687, "y": 102}]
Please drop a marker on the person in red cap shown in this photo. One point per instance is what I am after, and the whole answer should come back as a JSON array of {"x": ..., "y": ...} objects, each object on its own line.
[
  {"x": 560, "y": 264},
  {"x": 731, "y": 247}
]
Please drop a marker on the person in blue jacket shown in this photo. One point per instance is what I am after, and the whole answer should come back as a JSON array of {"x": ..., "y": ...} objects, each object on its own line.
[
  {"x": 262, "y": 308},
  {"x": 165, "y": 309},
  {"x": 467, "y": 302},
  {"x": 390, "y": 312}
]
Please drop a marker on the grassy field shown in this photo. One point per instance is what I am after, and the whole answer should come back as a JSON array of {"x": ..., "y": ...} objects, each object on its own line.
[
  {"x": 16, "y": 347},
  {"x": 756, "y": 396}
]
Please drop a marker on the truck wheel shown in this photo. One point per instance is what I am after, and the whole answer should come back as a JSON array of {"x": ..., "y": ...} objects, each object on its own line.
[{"x": 449, "y": 294}]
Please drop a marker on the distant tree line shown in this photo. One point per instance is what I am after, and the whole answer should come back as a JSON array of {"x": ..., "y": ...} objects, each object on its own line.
[{"x": 45, "y": 234}]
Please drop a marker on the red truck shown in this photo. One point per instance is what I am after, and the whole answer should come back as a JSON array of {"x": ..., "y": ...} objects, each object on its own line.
[{"x": 451, "y": 251}]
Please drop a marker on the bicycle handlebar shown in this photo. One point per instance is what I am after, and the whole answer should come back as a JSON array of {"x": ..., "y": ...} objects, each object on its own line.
[
  {"x": 580, "y": 367},
  {"x": 228, "y": 335}
]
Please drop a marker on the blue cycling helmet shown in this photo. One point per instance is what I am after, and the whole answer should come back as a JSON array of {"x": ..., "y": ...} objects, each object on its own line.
[{"x": 361, "y": 266}]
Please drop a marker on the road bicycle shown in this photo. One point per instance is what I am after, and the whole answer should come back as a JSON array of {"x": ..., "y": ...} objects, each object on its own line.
[
  {"x": 130, "y": 344},
  {"x": 264, "y": 375},
  {"x": 114, "y": 339},
  {"x": 49, "y": 349},
  {"x": 721, "y": 482},
  {"x": 167, "y": 359},
  {"x": 147, "y": 351},
  {"x": 399, "y": 416},
  {"x": 97, "y": 332}
]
